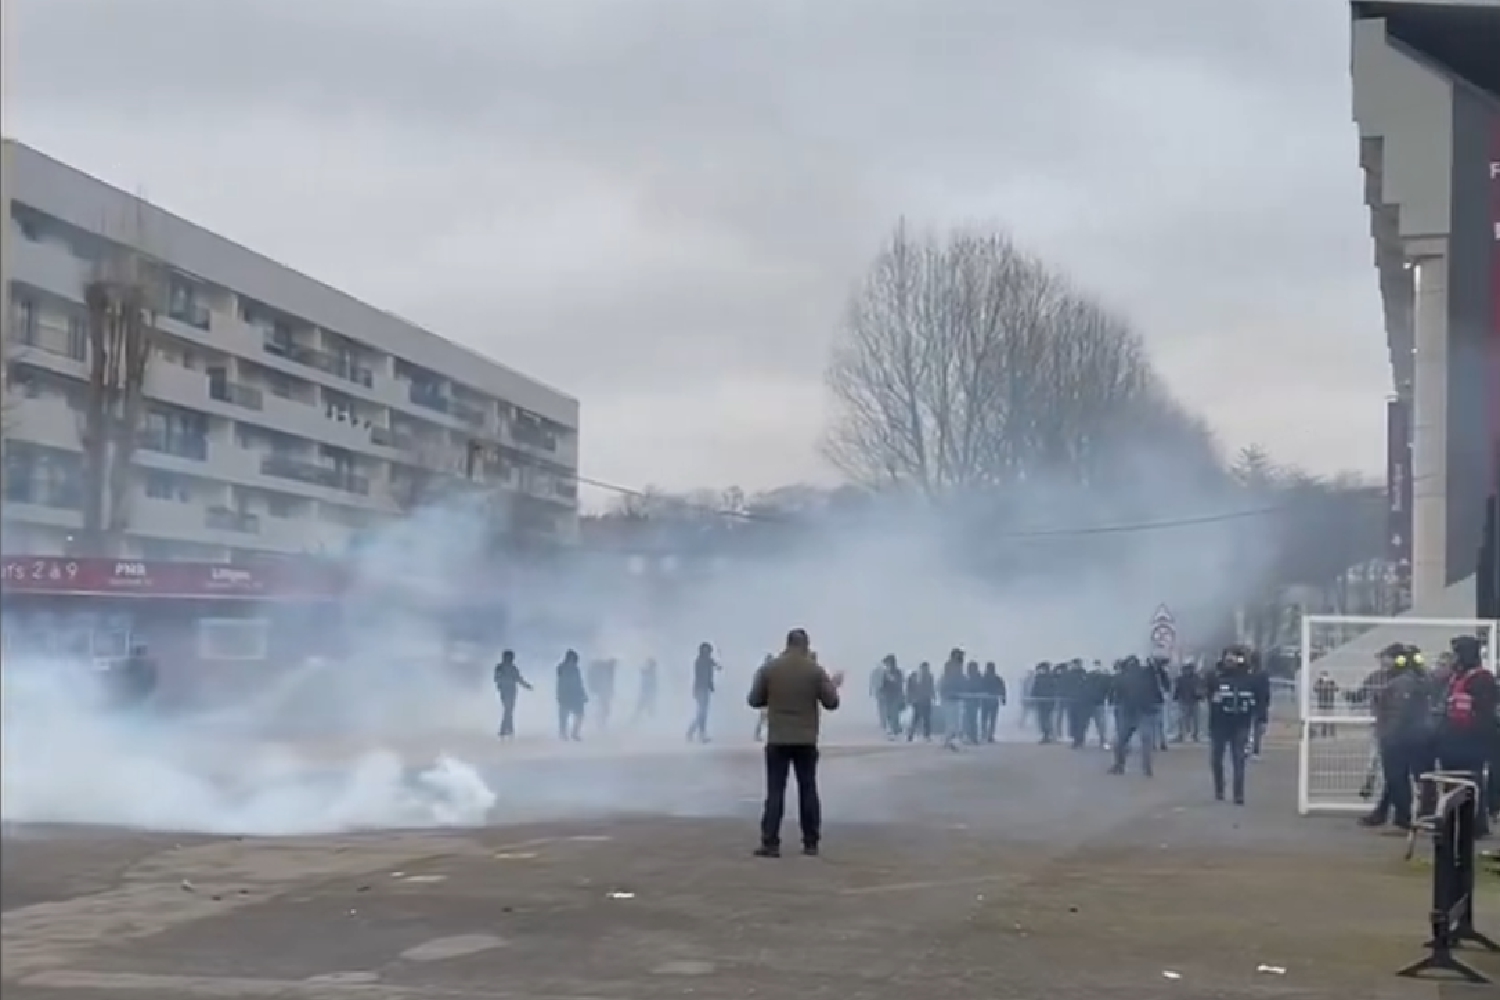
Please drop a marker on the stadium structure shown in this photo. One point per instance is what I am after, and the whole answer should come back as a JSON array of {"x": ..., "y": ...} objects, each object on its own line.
[{"x": 1426, "y": 82}]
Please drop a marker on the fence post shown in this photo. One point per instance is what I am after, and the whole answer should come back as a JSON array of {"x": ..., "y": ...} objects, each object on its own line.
[{"x": 1453, "y": 874}]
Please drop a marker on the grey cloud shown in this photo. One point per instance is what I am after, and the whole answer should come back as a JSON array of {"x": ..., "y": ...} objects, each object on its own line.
[{"x": 661, "y": 198}]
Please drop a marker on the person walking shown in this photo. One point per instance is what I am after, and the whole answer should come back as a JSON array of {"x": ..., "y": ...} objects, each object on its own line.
[{"x": 793, "y": 690}]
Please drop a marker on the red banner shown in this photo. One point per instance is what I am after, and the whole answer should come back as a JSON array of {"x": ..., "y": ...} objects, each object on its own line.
[{"x": 137, "y": 578}]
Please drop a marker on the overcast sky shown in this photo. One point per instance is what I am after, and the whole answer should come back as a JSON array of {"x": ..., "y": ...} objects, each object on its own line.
[{"x": 660, "y": 205}]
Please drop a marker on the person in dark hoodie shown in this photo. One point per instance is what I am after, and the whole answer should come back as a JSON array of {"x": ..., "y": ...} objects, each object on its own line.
[
  {"x": 508, "y": 682},
  {"x": 951, "y": 687},
  {"x": 921, "y": 691},
  {"x": 992, "y": 695},
  {"x": 571, "y": 698},
  {"x": 1159, "y": 667},
  {"x": 1078, "y": 694},
  {"x": 1044, "y": 698},
  {"x": 1261, "y": 681},
  {"x": 973, "y": 696},
  {"x": 793, "y": 690},
  {"x": 1187, "y": 693},
  {"x": 1403, "y": 731},
  {"x": 1466, "y": 730},
  {"x": 1100, "y": 687},
  {"x": 1138, "y": 700},
  {"x": 1232, "y": 707},
  {"x": 892, "y": 697},
  {"x": 704, "y": 669}
]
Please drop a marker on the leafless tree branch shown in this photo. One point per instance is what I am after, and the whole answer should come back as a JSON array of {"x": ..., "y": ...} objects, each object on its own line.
[
  {"x": 121, "y": 306},
  {"x": 967, "y": 364}
]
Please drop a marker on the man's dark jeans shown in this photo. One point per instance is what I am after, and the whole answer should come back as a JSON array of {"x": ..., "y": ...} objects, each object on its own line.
[
  {"x": 781, "y": 760},
  {"x": 1232, "y": 738}
]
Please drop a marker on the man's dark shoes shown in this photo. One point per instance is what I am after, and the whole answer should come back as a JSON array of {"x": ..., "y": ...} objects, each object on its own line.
[
  {"x": 811, "y": 850},
  {"x": 765, "y": 851}
]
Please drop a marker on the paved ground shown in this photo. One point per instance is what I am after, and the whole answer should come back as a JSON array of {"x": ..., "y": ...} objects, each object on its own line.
[{"x": 1017, "y": 871}]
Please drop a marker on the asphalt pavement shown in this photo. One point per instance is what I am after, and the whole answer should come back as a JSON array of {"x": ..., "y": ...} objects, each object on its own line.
[{"x": 1011, "y": 871}]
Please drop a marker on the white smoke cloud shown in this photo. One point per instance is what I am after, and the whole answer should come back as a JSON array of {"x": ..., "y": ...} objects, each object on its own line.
[{"x": 391, "y": 733}]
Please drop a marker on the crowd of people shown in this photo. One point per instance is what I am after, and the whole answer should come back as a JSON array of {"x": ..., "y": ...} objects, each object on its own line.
[{"x": 1445, "y": 715}]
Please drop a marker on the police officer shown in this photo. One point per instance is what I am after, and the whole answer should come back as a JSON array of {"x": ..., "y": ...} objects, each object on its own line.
[
  {"x": 508, "y": 682},
  {"x": 1403, "y": 730},
  {"x": 1466, "y": 731},
  {"x": 1232, "y": 711}
]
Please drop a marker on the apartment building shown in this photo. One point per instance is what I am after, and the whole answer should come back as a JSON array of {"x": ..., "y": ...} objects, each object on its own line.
[{"x": 280, "y": 415}]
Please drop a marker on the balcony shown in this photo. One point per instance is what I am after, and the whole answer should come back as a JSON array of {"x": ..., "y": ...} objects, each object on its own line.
[
  {"x": 247, "y": 396},
  {"x": 429, "y": 397},
  {"x": 225, "y": 519},
  {"x": 52, "y": 267},
  {"x": 313, "y": 474},
  {"x": 39, "y": 492},
  {"x": 338, "y": 365},
  {"x": 188, "y": 310},
  {"x": 474, "y": 416},
  {"x": 176, "y": 444}
]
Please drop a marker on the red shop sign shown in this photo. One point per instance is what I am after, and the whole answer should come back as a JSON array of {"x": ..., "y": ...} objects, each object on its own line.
[{"x": 138, "y": 578}]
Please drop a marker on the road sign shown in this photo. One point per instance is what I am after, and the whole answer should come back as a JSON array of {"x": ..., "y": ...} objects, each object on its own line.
[{"x": 1163, "y": 630}]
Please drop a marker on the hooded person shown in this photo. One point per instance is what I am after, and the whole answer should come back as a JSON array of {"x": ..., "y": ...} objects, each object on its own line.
[
  {"x": 1138, "y": 699},
  {"x": 508, "y": 682},
  {"x": 1402, "y": 706},
  {"x": 1466, "y": 730},
  {"x": 572, "y": 697},
  {"x": 951, "y": 687},
  {"x": 704, "y": 669},
  {"x": 892, "y": 696},
  {"x": 921, "y": 692},
  {"x": 992, "y": 696},
  {"x": 793, "y": 690}
]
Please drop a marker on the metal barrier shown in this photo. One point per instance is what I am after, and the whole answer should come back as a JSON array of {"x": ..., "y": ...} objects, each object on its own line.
[{"x": 1453, "y": 869}]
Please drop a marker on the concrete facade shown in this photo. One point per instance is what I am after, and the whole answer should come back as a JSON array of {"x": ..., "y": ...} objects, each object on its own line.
[
  {"x": 283, "y": 415},
  {"x": 1428, "y": 119}
]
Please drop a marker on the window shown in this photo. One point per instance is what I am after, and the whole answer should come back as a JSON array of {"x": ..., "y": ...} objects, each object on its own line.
[
  {"x": 278, "y": 505},
  {"x": 233, "y": 638},
  {"x": 25, "y": 321},
  {"x": 167, "y": 486},
  {"x": 78, "y": 338}
]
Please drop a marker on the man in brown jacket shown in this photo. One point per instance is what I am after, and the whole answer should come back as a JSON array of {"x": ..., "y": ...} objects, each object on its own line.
[{"x": 793, "y": 690}]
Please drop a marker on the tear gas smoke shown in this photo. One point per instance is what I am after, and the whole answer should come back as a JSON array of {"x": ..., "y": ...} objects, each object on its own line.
[{"x": 388, "y": 731}]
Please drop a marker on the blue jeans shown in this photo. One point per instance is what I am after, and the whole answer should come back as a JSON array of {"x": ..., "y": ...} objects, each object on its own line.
[
  {"x": 953, "y": 721},
  {"x": 1142, "y": 728},
  {"x": 698, "y": 729}
]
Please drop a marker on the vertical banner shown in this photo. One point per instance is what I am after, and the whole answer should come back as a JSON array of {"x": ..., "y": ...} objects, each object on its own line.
[
  {"x": 1399, "y": 497},
  {"x": 1494, "y": 383}
]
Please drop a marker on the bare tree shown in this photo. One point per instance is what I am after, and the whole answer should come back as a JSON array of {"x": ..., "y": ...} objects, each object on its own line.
[
  {"x": 121, "y": 305},
  {"x": 967, "y": 364}
]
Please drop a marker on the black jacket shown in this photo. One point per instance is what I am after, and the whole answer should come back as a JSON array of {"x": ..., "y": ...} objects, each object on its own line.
[
  {"x": 1137, "y": 690},
  {"x": 1232, "y": 699}
]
